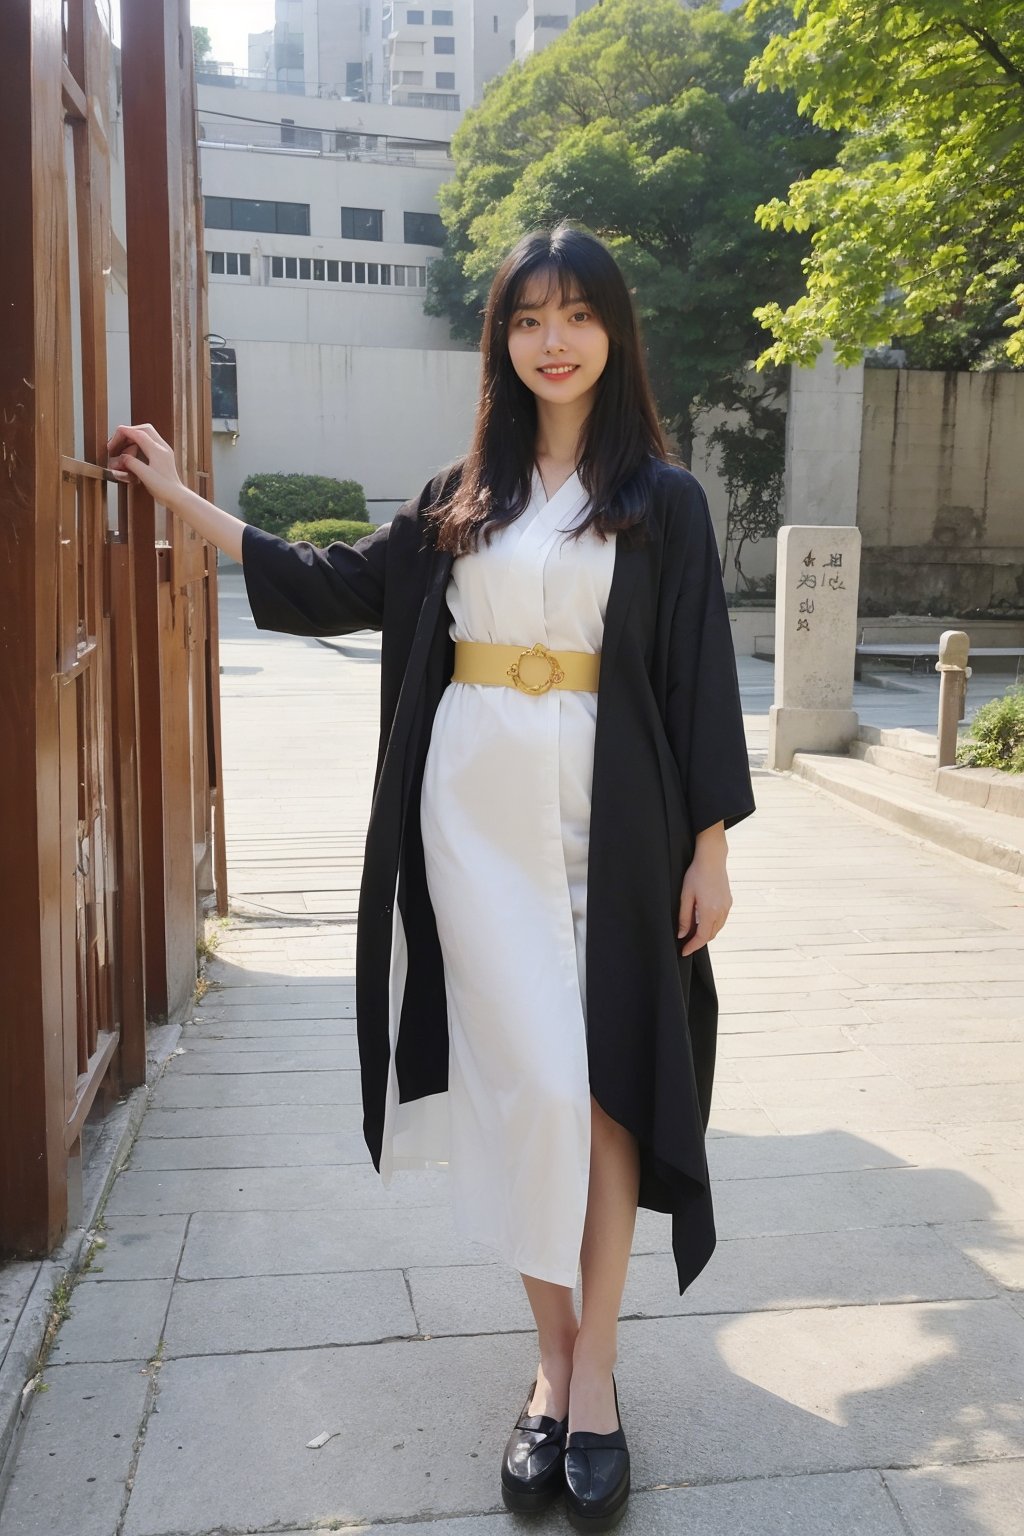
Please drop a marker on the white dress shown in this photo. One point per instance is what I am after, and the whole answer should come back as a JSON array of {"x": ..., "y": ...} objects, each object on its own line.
[{"x": 505, "y": 817}]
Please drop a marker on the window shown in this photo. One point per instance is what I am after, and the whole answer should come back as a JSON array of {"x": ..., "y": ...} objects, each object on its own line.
[
  {"x": 362, "y": 224},
  {"x": 424, "y": 229},
  {"x": 553, "y": 23},
  {"x": 229, "y": 263},
  {"x": 223, "y": 384},
  {"x": 303, "y": 138},
  {"x": 381, "y": 274},
  {"x": 444, "y": 45},
  {"x": 414, "y": 18},
  {"x": 495, "y": 23},
  {"x": 442, "y": 19},
  {"x": 256, "y": 214},
  {"x": 444, "y": 79}
]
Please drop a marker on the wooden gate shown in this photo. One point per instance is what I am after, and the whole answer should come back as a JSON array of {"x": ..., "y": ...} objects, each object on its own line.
[{"x": 111, "y": 834}]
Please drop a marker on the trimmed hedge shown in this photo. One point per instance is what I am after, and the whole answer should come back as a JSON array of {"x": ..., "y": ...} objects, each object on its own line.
[
  {"x": 328, "y": 530},
  {"x": 996, "y": 738},
  {"x": 274, "y": 502}
]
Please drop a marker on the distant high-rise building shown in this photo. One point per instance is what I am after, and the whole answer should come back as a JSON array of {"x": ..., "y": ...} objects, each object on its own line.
[{"x": 542, "y": 21}]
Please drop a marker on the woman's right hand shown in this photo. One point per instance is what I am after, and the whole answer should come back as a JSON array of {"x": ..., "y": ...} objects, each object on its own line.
[{"x": 157, "y": 470}]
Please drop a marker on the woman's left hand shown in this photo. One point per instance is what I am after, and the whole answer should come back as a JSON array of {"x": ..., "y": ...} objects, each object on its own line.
[{"x": 705, "y": 896}]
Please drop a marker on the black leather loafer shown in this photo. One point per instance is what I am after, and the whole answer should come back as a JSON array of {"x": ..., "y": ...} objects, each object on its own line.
[
  {"x": 531, "y": 1468},
  {"x": 596, "y": 1477}
]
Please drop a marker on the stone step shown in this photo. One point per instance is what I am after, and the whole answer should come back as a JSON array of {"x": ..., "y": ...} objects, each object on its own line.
[
  {"x": 985, "y": 836},
  {"x": 912, "y": 765},
  {"x": 902, "y": 738}
]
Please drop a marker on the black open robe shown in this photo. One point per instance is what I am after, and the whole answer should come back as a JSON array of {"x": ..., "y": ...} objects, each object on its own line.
[{"x": 669, "y": 760}]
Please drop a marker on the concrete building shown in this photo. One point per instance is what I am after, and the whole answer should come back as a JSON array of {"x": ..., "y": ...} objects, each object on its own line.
[
  {"x": 542, "y": 21},
  {"x": 320, "y": 223},
  {"x": 395, "y": 52}
]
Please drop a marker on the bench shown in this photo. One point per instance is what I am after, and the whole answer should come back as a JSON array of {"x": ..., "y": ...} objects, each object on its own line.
[
  {"x": 915, "y": 651},
  {"x": 902, "y": 650}
]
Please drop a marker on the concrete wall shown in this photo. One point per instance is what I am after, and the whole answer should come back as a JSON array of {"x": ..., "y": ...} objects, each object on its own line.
[
  {"x": 823, "y": 442},
  {"x": 941, "y": 491},
  {"x": 380, "y": 415}
]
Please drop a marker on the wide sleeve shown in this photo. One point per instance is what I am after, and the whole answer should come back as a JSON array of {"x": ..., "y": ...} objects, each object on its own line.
[
  {"x": 302, "y": 590},
  {"x": 703, "y": 713}
]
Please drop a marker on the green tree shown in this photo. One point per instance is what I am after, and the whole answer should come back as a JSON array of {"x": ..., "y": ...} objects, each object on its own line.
[
  {"x": 636, "y": 124},
  {"x": 919, "y": 222},
  {"x": 201, "y": 45},
  {"x": 276, "y": 501}
]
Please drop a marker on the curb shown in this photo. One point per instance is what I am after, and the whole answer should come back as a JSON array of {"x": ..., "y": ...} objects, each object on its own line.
[
  {"x": 936, "y": 827},
  {"x": 114, "y": 1138}
]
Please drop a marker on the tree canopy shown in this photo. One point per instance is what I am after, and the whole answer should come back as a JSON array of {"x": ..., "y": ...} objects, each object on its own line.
[
  {"x": 919, "y": 223},
  {"x": 201, "y": 45},
  {"x": 636, "y": 123}
]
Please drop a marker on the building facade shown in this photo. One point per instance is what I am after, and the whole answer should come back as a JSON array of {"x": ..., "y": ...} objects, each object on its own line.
[{"x": 321, "y": 223}]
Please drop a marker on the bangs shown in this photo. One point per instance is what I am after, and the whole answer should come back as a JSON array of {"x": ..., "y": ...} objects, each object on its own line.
[{"x": 540, "y": 280}]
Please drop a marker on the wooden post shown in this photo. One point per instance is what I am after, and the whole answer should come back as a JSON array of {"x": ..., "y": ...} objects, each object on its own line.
[
  {"x": 34, "y": 261},
  {"x": 954, "y": 648},
  {"x": 154, "y": 147}
]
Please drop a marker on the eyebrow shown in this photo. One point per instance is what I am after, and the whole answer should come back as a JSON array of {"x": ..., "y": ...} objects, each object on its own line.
[{"x": 567, "y": 305}]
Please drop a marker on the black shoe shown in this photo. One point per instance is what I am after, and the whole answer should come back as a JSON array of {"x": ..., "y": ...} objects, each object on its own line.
[
  {"x": 531, "y": 1468},
  {"x": 596, "y": 1477}
]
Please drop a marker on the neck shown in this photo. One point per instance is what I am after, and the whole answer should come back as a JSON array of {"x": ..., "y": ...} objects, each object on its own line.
[{"x": 560, "y": 430}]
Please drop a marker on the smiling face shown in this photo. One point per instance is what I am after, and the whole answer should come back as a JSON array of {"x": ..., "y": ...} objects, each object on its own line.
[{"x": 557, "y": 345}]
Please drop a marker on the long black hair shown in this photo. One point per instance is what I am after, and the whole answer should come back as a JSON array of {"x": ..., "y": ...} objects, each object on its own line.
[{"x": 622, "y": 437}]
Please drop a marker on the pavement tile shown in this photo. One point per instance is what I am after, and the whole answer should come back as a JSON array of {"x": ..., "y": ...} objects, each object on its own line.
[
  {"x": 229, "y": 1243},
  {"x": 985, "y": 1499},
  {"x": 301, "y": 1149},
  {"x": 336, "y": 1055},
  {"x": 831, "y": 1504},
  {"x": 180, "y": 1090},
  {"x": 759, "y": 1395},
  {"x": 996, "y": 1247},
  {"x": 250, "y": 1120},
  {"x": 262, "y": 1312},
  {"x": 267, "y": 1189},
  {"x": 744, "y": 1275},
  {"x": 137, "y": 1248},
  {"x": 74, "y": 1457},
  {"x": 112, "y": 1320}
]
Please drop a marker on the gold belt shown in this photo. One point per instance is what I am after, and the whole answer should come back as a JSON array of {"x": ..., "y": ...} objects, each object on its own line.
[{"x": 531, "y": 669}]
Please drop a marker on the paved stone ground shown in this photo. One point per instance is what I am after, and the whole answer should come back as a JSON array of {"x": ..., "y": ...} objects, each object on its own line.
[{"x": 850, "y": 1364}]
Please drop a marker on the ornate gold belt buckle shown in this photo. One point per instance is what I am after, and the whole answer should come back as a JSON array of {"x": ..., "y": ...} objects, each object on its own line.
[{"x": 555, "y": 674}]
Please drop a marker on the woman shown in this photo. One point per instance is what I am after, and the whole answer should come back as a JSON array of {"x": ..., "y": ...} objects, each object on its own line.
[{"x": 561, "y": 754}]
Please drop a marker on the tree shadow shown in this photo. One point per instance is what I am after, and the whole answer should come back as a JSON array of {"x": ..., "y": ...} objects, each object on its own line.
[{"x": 852, "y": 1317}]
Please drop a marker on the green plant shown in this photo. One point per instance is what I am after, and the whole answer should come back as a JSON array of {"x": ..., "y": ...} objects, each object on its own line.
[
  {"x": 328, "y": 530},
  {"x": 996, "y": 737},
  {"x": 752, "y": 458},
  {"x": 274, "y": 502}
]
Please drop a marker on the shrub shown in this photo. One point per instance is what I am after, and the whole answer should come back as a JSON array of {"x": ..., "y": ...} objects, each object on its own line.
[
  {"x": 996, "y": 737},
  {"x": 328, "y": 530},
  {"x": 274, "y": 502}
]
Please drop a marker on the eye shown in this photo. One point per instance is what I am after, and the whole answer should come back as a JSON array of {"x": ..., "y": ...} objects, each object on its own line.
[
  {"x": 526, "y": 318},
  {"x": 585, "y": 313}
]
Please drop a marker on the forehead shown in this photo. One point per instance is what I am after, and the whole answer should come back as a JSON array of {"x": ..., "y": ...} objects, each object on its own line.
[{"x": 549, "y": 287}]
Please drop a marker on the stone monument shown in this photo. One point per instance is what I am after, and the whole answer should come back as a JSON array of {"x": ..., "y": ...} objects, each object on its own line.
[{"x": 818, "y": 576}]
